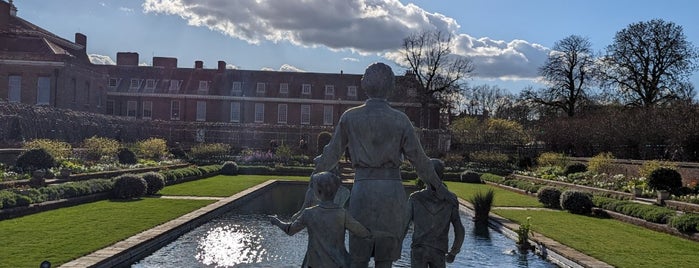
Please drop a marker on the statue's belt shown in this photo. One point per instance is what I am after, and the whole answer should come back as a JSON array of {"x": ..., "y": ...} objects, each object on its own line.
[{"x": 376, "y": 174}]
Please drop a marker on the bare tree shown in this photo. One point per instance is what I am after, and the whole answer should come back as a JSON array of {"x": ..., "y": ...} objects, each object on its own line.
[
  {"x": 439, "y": 72},
  {"x": 569, "y": 73},
  {"x": 649, "y": 63},
  {"x": 485, "y": 99}
]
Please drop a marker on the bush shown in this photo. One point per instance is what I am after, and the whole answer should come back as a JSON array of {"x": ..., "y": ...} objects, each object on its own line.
[
  {"x": 154, "y": 182},
  {"x": 601, "y": 163},
  {"x": 686, "y": 223},
  {"x": 129, "y": 186},
  {"x": 576, "y": 202},
  {"x": 665, "y": 179},
  {"x": 209, "y": 152},
  {"x": 470, "y": 177},
  {"x": 549, "y": 196},
  {"x": 323, "y": 139},
  {"x": 127, "y": 157},
  {"x": 493, "y": 178},
  {"x": 57, "y": 149},
  {"x": 552, "y": 159},
  {"x": 229, "y": 168},
  {"x": 34, "y": 159},
  {"x": 482, "y": 203},
  {"x": 152, "y": 148},
  {"x": 179, "y": 153},
  {"x": 649, "y": 166},
  {"x": 489, "y": 159},
  {"x": 96, "y": 147},
  {"x": 575, "y": 168}
]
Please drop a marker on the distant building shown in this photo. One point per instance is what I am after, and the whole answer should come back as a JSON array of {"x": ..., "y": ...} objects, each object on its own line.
[{"x": 244, "y": 108}]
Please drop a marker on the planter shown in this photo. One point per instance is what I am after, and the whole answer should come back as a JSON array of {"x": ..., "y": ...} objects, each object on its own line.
[{"x": 663, "y": 195}]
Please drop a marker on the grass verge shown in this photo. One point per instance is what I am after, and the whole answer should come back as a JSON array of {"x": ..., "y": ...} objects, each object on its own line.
[
  {"x": 64, "y": 234},
  {"x": 614, "y": 242},
  {"x": 503, "y": 198},
  {"x": 222, "y": 185}
]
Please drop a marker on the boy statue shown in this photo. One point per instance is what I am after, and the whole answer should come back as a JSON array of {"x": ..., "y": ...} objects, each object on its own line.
[
  {"x": 431, "y": 217},
  {"x": 326, "y": 223}
]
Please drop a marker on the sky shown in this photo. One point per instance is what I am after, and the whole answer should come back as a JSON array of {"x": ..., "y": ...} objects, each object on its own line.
[{"x": 507, "y": 40}]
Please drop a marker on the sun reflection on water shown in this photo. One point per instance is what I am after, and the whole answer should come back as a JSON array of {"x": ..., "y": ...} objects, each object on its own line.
[{"x": 230, "y": 245}]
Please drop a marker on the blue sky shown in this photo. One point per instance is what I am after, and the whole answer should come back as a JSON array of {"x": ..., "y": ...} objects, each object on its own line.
[{"x": 507, "y": 39}]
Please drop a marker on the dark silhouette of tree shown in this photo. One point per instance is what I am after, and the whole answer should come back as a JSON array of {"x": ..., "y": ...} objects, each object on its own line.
[
  {"x": 485, "y": 100},
  {"x": 568, "y": 71},
  {"x": 439, "y": 72},
  {"x": 649, "y": 63}
]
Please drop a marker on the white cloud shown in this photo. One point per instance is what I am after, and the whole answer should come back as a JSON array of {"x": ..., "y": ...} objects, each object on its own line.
[
  {"x": 350, "y": 59},
  {"x": 143, "y": 64},
  {"x": 361, "y": 26},
  {"x": 231, "y": 66},
  {"x": 290, "y": 68},
  {"x": 267, "y": 69},
  {"x": 101, "y": 59}
]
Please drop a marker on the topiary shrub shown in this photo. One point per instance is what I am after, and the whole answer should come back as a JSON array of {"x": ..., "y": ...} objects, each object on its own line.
[
  {"x": 154, "y": 182},
  {"x": 129, "y": 186},
  {"x": 576, "y": 202},
  {"x": 229, "y": 168},
  {"x": 35, "y": 159},
  {"x": 126, "y": 156},
  {"x": 665, "y": 179},
  {"x": 470, "y": 177},
  {"x": 575, "y": 168},
  {"x": 322, "y": 140},
  {"x": 549, "y": 196}
]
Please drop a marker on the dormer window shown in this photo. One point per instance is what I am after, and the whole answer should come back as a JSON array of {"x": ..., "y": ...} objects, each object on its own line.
[
  {"x": 283, "y": 88},
  {"x": 329, "y": 90},
  {"x": 150, "y": 85},
  {"x": 352, "y": 91},
  {"x": 203, "y": 87},
  {"x": 174, "y": 85},
  {"x": 260, "y": 88},
  {"x": 236, "y": 89},
  {"x": 306, "y": 89},
  {"x": 113, "y": 82},
  {"x": 135, "y": 84}
]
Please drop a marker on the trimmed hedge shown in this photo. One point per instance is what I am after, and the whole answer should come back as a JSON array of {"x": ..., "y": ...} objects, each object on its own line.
[
  {"x": 229, "y": 168},
  {"x": 129, "y": 186},
  {"x": 492, "y": 178},
  {"x": 549, "y": 196},
  {"x": 177, "y": 175},
  {"x": 154, "y": 182},
  {"x": 686, "y": 223},
  {"x": 523, "y": 184},
  {"x": 649, "y": 213},
  {"x": 15, "y": 198},
  {"x": 576, "y": 202}
]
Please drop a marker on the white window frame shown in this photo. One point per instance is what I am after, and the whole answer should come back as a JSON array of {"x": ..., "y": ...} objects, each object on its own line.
[
  {"x": 329, "y": 90},
  {"x": 201, "y": 111},
  {"x": 306, "y": 89},
  {"x": 147, "y": 110},
  {"x": 174, "y": 85},
  {"x": 327, "y": 115},
  {"x": 236, "y": 88},
  {"x": 43, "y": 90},
  {"x": 14, "y": 88},
  {"x": 284, "y": 88},
  {"x": 135, "y": 83},
  {"x": 131, "y": 106},
  {"x": 203, "y": 86},
  {"x": 351, "y": 91},
  {"x": 260, "y": 88},
  {"x": 113, "y": 82},
  {"x": 305, "y": 114},
  {"x": 282, "y": 110},
  {"x": 235, "y": 112},
  {"x": 259, "y": 112},
  {"x": 175, "y": 110},
  {"x": 150, "y": 85}
]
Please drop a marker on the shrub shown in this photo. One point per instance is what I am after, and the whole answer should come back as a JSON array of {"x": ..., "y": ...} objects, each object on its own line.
[
  {"x": 209, "y": 151},
  {"x": 126, "y": 156},
  {"x": 283, "y": 153},
  {"x": 229, "y": 168},
  {"x": 179, "y": 153},
  {"x": 152, "y": 148},
  {"x": 549, "y": 196},
  {"x": 490, "y": 159},
  {"x": 686, "y": 223},
  {"x": 649, "y": 166},
  {"x": 323, "y": 139},
  {"x": 601, "y": 163},
  {"x": 492, "y": 178},
  {"x": 453, "y": 160},
  {"x": 665, "y": 179},
  {"x": 154, "y": 182},
  {"x": 470, "y": 177},
  {"x": 482, "y": 203},
  {"x": 34, "y": 159},
  {"x": 576, "y": 202},
  {"x": 96, "y": 147},
  {"x": 649, "y": 213},
  {"x": 129, "y": 186},
  {"x": 57, "y": 149},
  {"x": 552, "y": 159},
  {"x": 575, "y": 168}
]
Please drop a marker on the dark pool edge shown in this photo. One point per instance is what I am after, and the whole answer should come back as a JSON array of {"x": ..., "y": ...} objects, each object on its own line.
[{"x": 124, "y": 253}]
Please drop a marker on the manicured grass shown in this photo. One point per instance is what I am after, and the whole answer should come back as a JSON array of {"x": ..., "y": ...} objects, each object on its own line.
[
  {"x": 503, "y": 198},
  {"x": 64, "y": 234},
  {"x": 614, "y": 242},
  {"x": 222, "y": 185}
]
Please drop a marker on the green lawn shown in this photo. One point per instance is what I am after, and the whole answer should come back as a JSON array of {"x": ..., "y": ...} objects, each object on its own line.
[
  {"x": 614, "y": 242},
  {"x": 222, "y": 185},
  {"x": 503, "y": 198},
  {"x": 64, "y": 234}
]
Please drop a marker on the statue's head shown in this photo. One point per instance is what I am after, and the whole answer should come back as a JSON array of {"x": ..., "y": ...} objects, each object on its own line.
[
  {"x": 378, "y": 80},
  {"x": 438, "y": 167},
  {"x": 325, "y": 185}
]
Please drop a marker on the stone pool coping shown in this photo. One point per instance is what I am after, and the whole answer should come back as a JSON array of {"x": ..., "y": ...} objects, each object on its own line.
[{"x": 139, "y": 246}]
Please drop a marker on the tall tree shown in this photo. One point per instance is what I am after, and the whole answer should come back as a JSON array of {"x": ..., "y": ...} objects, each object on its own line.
[
  {"x": 568, "y": 71},
  {"x": 439, "y": 72},
  {"x": 649, "y": 63},
  {"x": 485, "y": 99}
]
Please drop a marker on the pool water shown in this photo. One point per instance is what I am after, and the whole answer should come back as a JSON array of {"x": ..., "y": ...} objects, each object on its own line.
[{"x": 250, "y": 240}]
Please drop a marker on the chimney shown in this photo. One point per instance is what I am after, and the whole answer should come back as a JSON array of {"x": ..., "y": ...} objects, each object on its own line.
[
  {"x": 127, "y": 58},
  {"x": 167, "y": 63},
  {"x": 221, "y": 66},
  {"x": 13, "y": 9},
  {"x": 81, "y": 39},
  {"x": 198, "y": 64},
  {"x": 5, "y": 13}
]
